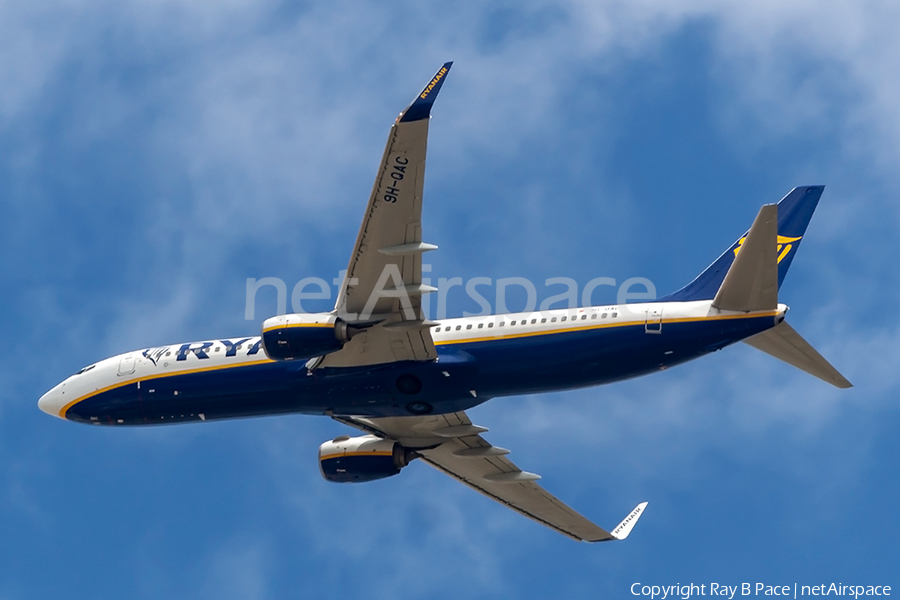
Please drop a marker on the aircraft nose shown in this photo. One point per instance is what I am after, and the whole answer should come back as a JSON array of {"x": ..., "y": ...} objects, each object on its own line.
[{"x": 52, "y": 402}]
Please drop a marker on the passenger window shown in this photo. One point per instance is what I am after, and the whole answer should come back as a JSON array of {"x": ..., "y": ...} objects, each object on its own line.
[
  {"x": 481, "y": 326},
  {"x": 511, "y": 323},
  {"x": 447, "y": 328},
  {"x": 614, "y": 315},
  {"x": 458, "y": 327},
  {"x": 533, "y": 321},
  {"x": 583, "y": 317},
  {"x": 553, "y": 320},
  {"x": 490, "y": 325},
  {"x": 604, "y": 316},
  {"x": 469, "y": 326},
  {"x": 563, "y": 319},
  {"x": 502, "y": 323},
  {"x": 594, "y": 316},
  {"x": 543, "y": 320}
]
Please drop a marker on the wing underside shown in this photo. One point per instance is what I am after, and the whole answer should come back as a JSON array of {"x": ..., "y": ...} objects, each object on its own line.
[
  {"x": 452, "y": 444},
  {"x": 382, "y": 288}
]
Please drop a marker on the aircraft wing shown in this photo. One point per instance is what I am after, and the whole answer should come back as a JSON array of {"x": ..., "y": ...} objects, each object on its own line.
[
  {"x": 452, "y": 444},
  {"x": 383, "y": 282}
]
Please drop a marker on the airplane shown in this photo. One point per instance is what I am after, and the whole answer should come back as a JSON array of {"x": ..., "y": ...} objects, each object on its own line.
[{"x": 377, "y": 364}]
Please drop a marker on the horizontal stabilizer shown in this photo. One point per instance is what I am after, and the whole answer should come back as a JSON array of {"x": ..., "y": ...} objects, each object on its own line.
[
  {"x": 752, "y": 281},
  {"x": 784, "y": 343}
]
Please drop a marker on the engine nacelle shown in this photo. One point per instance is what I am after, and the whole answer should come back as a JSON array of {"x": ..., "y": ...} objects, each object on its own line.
[
  {"x": 366, "y": 458},
  {"x": 302, "y": 336}
]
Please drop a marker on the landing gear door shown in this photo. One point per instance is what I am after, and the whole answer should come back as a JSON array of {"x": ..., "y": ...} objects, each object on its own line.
[{"x": 653, "y": 322}]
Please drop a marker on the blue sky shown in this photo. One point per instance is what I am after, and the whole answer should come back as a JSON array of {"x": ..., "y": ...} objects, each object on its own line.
[{"x": 153, "y": 156}]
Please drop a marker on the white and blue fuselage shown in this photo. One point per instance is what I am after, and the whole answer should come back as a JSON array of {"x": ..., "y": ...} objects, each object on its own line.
[{"x": 478, "y": 358}]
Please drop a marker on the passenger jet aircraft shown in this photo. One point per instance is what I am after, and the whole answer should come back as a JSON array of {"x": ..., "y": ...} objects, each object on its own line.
[{"x": 375, "y": 363}]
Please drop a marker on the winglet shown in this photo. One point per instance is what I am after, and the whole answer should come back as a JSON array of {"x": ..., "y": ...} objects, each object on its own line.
[
  {"x": 624, "y": 528},
  {"x": 421, "y": 106}
]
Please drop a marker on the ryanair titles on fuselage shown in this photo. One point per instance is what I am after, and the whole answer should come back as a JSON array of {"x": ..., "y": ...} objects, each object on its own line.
[{"x": 202, "y": 350}]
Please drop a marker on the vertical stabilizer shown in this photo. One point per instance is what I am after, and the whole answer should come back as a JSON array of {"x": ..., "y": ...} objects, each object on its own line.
[{"x": 794, "y": 212}]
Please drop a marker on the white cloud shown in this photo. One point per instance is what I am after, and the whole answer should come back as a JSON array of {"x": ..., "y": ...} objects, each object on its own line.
[{"x": 265, "y": 120}]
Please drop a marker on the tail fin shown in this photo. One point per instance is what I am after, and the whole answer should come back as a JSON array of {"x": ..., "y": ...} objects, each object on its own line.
[
  {"x": 794, "y": 212},
  {"x": 754, "y": 275}
]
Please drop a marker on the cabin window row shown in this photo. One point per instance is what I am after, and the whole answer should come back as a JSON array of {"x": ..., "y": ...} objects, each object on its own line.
[{"x": 534, "y": 321}]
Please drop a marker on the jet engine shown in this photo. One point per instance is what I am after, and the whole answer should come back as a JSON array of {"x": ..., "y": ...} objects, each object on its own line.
[
  {"x": 366, "y": 458},
  {"x": 302, "y": 336}
]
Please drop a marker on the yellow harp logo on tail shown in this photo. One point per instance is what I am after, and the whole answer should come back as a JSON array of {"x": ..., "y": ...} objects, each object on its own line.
[{"x": 784, "y": 245}]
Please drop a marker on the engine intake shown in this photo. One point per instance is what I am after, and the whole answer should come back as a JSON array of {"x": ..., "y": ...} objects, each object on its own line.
[{"x": 359, "y": 459}]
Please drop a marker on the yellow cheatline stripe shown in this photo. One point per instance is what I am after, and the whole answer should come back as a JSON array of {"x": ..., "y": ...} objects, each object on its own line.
[
  {"x": 607, "y": 325},
  {"x": 285, "y": 326},
  {"x": 64, "y": 409},
  {"x": 346, "y": 454}
]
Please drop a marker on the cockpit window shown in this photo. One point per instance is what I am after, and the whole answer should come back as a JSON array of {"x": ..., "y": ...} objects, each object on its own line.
[{"x": 85, "y": 369}]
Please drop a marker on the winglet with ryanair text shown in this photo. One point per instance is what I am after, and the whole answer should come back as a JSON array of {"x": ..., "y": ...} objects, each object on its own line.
[
  {"x": 421, "y": 106},
  {"x": 624, "y": 528}
]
